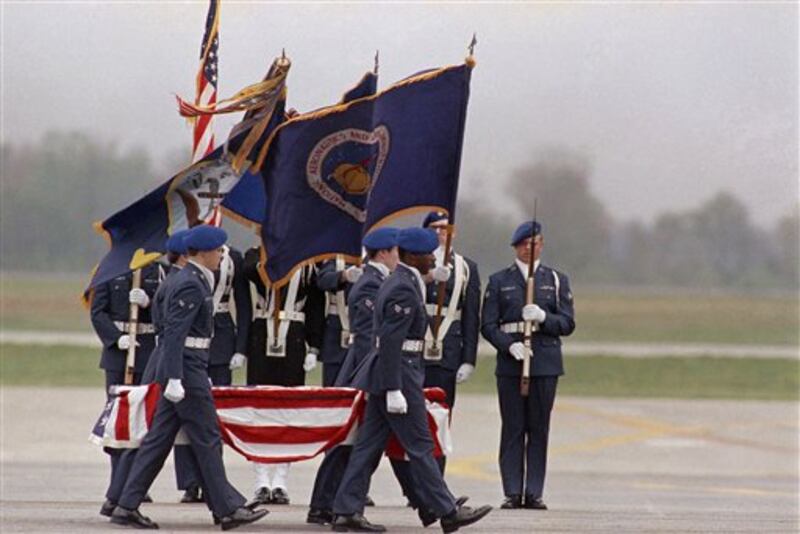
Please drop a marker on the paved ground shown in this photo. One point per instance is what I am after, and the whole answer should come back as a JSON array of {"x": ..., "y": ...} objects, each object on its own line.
[
  {"x": 616, "y": 466},
  {"x": 573, "y": 348}
]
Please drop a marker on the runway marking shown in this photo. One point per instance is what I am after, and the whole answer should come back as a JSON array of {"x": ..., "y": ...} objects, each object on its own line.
[{"x": 484, "y": 466}]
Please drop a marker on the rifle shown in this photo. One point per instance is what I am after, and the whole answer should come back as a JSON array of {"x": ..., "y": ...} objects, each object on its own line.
[
  {"x": 435, "y": 350},
  {"x": 525, "y": 379},
  {"x": 133, "y": 327}
]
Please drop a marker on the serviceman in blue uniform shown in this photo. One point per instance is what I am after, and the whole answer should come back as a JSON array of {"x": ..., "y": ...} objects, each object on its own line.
[
  {"x": 450, "y": 358},
  {"x": 335, "y": 278},
  {"x": 110, "y": 315},
  {"x": 526, "y": 420},
  {"x": 176, "y": 256},
  {"x": 382, "y": 258},
  {"x": 187, "y": 401},
  {"x": 393, "y": 374},
  {"x": 282, "y": 356},
  {"x": 227, "y": 352}
]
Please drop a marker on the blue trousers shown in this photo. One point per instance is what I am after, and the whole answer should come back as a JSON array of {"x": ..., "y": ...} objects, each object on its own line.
[
  {"x": 412, "y": 430},
  {"x": 197, "y": 415},
  {"x": 524, "y": 433}
]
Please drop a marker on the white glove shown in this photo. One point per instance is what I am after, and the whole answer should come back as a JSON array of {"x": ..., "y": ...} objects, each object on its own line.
[
  {"x": 139, "y": 297},
  {"x": 464, "y": 372},
  {"x": 353, "y": 273},
  {"x": 532, "y": 312},
  {"x": 518, "y": 351},
  {"x": 238, "y": 360},
  {"x": 124, "y": 342},
  {"x": 441, "y": 273},
  {"x": 396, "y": 402},
  {"x": 310, "y": 362},
  {"x": 174, "y": 391}
]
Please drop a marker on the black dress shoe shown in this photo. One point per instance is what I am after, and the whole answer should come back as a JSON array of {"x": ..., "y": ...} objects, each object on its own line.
[
  {"x": 511, "y": 502},
  {"x": 253, "y": 505},
  {"x": 108, "y": 508},
  {"x": 132, "y": 518},
  {"x": 355, "y": 523},
  {"x": 534, "y": 503},
  {"x": 279, "y": 496},
  {"x": 242, "y": 516},
  {"x": 462, "y": 517},
  {"x": 192, "y": 495},
  {"x": 147, "y": 498},
  {"x": 461, "y": 501},
  {"x": 368, "y": 501},
  {"x": 318, "y": 516},
  {"x": 427, "y": 517},
  {"x": 263, "y": 496}
]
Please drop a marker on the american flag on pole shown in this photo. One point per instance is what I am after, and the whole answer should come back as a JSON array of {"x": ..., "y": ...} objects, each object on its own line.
[
  {"x": 267, "y": 424},
  {"x": 206, "y": 95}
]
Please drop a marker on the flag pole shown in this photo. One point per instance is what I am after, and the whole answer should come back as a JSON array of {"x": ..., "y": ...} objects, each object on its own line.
[{"x": 133, "y": 327}]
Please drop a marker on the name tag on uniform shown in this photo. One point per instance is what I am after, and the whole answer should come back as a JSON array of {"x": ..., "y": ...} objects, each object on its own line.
[{"x": 508, "y": 288}]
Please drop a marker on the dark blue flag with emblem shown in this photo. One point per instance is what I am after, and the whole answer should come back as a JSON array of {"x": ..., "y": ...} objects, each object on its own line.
[
  {"x": 137, "y": 233},
  {"x": 332, "y": 174}
]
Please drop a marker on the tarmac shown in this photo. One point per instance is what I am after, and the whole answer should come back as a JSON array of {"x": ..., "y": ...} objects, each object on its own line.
[{"x": 616, "y": 465}]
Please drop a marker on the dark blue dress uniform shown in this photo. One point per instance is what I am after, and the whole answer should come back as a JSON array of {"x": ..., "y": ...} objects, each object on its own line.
[
  {"x": 187, "y": 331},
  {"x": 395, "y": 363},
  {"x": 460, "y": 344},
  {"x": 526, "y": 421},
  {"x": 361, "y": 305},
  {"x": 110, "y": 313},
  {"x": 228, "y": 338},
  {"x": 335, "y": 340},
  {"x": 286, "y": 370}
]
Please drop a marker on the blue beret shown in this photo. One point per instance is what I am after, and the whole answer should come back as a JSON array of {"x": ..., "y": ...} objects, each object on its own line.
[
  {"x": 175, "y": 243},
  {"x": 205, "y": 237},
  {"x": 382, "y": 238},
  {"x": 432, "y": 217},
  {"x": 523, "y": 231},
  {"x": 417, "y": 240}
]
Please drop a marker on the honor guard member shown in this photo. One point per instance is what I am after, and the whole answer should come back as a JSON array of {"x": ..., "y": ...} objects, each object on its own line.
[
  {"x": 451, "y": 358},
  {"x": 176, "y": 256},
  {"x": 187, "y": 402},
  {"x": 110, "y": 315},
  {"x": 381, "y": 248},
  {"x": 335, "y": 278},
  {"x": 526, "y": 420},
  {"x": 393, "y": 374},
  {"x": 231, "y": 295},
  {"x": 280, "y": 353}
]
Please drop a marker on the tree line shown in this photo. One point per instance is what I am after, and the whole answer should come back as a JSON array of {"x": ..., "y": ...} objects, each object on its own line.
[{"x": 52, "y": 191}]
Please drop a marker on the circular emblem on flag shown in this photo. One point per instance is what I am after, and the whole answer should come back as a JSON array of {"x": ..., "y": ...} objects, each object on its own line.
[
  {"x": 196, "y": 192},
  {"x": 344, "y": 166}
]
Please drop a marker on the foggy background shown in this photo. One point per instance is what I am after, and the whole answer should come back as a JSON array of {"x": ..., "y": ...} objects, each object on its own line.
[{"x": 660, "y": 139}]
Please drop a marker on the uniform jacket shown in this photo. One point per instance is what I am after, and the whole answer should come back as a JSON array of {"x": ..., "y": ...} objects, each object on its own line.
[
  {"x": 230, "y": 337},
  {"x": 399, "y": 316},
  {"x": 461, "y": 341},
  {"x": 330, "y": 281},
  {"x": 188, "y": 312},
  {"x": 110, "y": 305},
  {"x": 361, "y": 305},
  {"x": 503, "y": 302},
  {"x": 158, "y": 313}
]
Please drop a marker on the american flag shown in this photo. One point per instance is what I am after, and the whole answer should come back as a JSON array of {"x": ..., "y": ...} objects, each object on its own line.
[
  {"x": 206, "y": 95},
  {"x": 267, "y": 424}
]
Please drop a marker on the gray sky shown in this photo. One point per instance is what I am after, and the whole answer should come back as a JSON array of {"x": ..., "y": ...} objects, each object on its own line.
[{"x": 672, "y": 102}]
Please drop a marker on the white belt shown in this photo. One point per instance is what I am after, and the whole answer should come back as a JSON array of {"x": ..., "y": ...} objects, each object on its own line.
[
  {"x": 222, "y": 307},
  {"x": 197, "y": 342},
  {"x": 413, "y": 345},
  {"x": 141, "y": 328},
  {"x": 283, "y": 316},
  {"x": 333, "y": 309},
  {"x": 431, "y": 309},
  {"x": 518, "y": 328}
]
